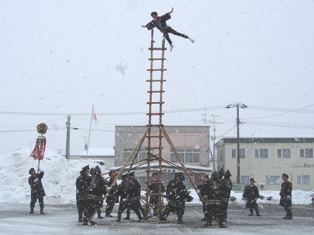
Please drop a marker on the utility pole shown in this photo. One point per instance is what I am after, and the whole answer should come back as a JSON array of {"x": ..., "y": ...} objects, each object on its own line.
[
  {"x": 209, "y": 150},
  {"x": 205, "y": 115},
  {"x": 67, "y": 148},
  {"x": 214, "y": 141},
  {"x": 243, "y": 106}
]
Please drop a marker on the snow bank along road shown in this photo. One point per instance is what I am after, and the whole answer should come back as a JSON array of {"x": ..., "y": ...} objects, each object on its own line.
[{"x": 14, "y": 219}]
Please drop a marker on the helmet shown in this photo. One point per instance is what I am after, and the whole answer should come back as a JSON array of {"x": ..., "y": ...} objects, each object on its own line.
[
  {"x": 85, "y": 168},
  {"x": 179, "y": 175},
  {"x": 227, "y": 174},
  {"x": 97, "y": 170},
  {"x": 30, "y": 170},
  {"x": 215, "y": 175},
  {"x": 92, "y": 171}
]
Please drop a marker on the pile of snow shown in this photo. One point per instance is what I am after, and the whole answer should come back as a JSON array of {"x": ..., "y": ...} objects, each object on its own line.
[{"x": 60, "y": 176}]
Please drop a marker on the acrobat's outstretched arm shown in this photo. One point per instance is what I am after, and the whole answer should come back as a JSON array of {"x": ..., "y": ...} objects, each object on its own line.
[{"x": 168, "y": 12}]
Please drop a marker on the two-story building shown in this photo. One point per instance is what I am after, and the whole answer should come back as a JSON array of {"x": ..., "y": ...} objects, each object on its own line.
[
  {"x": 265, "y": 159},
  {"x": 191, "y": 143}
]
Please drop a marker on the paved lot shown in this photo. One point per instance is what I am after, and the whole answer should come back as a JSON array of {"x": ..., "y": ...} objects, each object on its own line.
[{"x": 14, "y": 219}]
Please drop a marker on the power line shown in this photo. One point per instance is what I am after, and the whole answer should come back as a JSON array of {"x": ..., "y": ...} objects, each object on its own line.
[
  {"x": 109, "y": 114},
  {"x": 227, "y": 131}
]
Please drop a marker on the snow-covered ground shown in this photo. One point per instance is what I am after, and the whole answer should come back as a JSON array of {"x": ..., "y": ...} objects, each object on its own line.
[
  {"x": 61, "y": 214},
  {"x": 60, "y": 175}
]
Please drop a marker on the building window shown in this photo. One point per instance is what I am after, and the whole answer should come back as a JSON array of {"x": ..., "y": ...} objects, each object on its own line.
[
  {"x": 303, "y": 180},
  {"x": 245, "y": 179},
  {"x": 306, "y": 153},
  {"x": 272, "y": 180},
  {"x": 261, "y": 153},
  {"x": 142, "y": 154},
  {"x": 234, "y": 153},
  {"x": 186, "y": 155},
  {"x": 285, "y": 153}
]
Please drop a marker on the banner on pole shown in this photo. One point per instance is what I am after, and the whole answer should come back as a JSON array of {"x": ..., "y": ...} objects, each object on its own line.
[{"x": 40, "y": 147}]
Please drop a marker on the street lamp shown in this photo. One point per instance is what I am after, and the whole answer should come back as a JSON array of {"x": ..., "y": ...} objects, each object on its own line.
[{"x": 243, "y": 106}]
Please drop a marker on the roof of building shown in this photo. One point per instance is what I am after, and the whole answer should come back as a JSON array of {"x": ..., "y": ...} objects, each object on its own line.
[
  {"x": 98, "y": 152},
  {"x": 179, "y": 129},
  {"x": 165, "y": 165},
  {"x": 265, "y": 140}
]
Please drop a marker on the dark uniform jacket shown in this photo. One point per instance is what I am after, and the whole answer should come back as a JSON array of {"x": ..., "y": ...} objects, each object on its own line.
[
  {"x": 97, "y": 188},
  {"x": 37, "y": 187},
  {"x": 113, "y": 188},
  {"x": 154, "y": 186},
  {"x": 82, "y": 186},
  {"x": 285, "y": 193},
  {"x": 135, "y": 189},
  {"x": 286, "y": 189},
  {"x": 251, "y": 192},
  {"x": 177, "y": 192},
  {"x": 123, "y": 189},
  {"x": 159, "y": 23},
  {"x": 210, "y": 191},
  {"x": 225, "y": 188}
]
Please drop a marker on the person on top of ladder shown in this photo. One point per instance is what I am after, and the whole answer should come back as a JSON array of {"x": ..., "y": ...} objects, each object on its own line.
[{"x": 160, "y": 23}]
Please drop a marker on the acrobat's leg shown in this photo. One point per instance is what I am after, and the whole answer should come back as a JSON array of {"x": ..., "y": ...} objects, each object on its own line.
[{"x": 171, "y": 30}]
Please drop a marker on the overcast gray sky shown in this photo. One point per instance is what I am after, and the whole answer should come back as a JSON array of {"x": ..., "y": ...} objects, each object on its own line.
[{"x": 60, "y": 58}]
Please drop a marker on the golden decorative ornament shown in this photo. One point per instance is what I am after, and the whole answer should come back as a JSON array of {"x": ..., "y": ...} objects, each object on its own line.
[{"x": 42, "y": 128}]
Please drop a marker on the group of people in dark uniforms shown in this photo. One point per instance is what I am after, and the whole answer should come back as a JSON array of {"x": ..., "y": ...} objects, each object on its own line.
[
  {"x": 251, "y": 194},
  {"x": 214, "y": 193},
  {"x": 90, "y": 189}
]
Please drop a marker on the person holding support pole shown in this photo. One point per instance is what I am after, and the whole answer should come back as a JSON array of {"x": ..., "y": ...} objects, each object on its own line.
[{"x": 37, "y": 190}]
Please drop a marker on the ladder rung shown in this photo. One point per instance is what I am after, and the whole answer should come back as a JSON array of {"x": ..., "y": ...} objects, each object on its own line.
[
  {"x": 156, "y": 69},
  {"x": 156, "y": 58},
  {"x": 156, "y": 80},
  {"x": 155, "y": 125},
  {"x": 155, "y": 102},
  {"x": 157, "y": 48},
  {"x": 155, "y": 148},
  {"x": 154, "y": 114},
  {"x": 154, "y": 136},
  {"x": 155, "y": 91}
]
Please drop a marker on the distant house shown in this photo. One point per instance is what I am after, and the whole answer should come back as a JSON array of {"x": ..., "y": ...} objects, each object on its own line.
[
  {"x": 265, "y": 159},
  {"x": 101, "y": 155}
]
